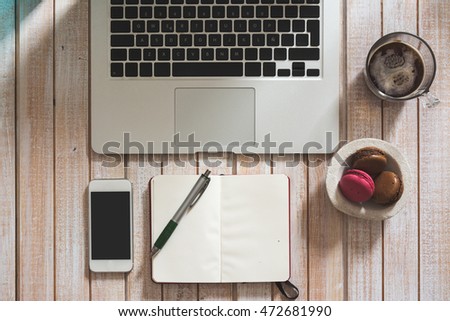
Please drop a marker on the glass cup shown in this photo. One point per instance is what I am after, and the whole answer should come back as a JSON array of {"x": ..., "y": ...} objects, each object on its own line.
[{"x": 401, "y": 66}]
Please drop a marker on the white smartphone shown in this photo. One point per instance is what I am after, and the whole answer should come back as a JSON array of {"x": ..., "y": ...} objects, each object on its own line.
[{"x": 110, "y": 225}]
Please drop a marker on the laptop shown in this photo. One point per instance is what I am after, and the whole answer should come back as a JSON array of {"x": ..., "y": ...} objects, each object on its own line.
[{"x": 243, "y": 76}]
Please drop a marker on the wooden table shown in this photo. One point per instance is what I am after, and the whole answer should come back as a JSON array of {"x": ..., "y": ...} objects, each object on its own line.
[{"x": 46, "y": 165}]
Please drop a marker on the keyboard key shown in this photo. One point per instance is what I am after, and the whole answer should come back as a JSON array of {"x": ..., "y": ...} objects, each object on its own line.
[
  {"x": 138, "y": 26},
  {"x": 304, "y": 54},
  {"x": 244, "y": 40},
  {"x": 132, "y": 1},
  {"x": 298, "y": 25},
  {"x": 206, "y": 69},
  {"x": 185, "y": 40},
  {"x": 175, "y": 12},
  {"x": 149, "y": 54},
  {"x": 118, "y": 54},
  {"x": 267, "y": 1},
  {"x": 117, "y": 69},
  {"x": 200, "y": 40},
  {"x": 116, "y": 12},
  {"x": 162, "y": 69},
  {"x": 229, "y": 40},
  {"x": 135, "y": 54},
  {"x": 163, "y": 54},
  {"x": 287, "y": 40},
  {"x": 131, "y": 13},
  {"x": 160, "y": 12},
  {"x": 193, "y": 54},
  {"x": 269, "y": 26},
  {"x": 192, "y": 1},
  {"x": 265, "y": 54},
  {"x": 221, "y": 54},
  {"x": 247, "y": 12},
  {"x": 196, "y": 25},
  {"x": 302, "y": 40},
  {"x": 262, "y": 12},
  {"x": 214, "y": 40},
  {"x": 313, "y": 1},
  {"x": 171, "y": 40},
  {"x": 240, "y": 25},
  {"x": 153, "y": 26},
  {"x": 120, "y": 26},
  {"x": 313, "y": 72},
  {"x": 145, "y": 69},
  {"x": 309, "y": 11},
  {"x": 284, "y": 25},
  {"x": 208, "y": 54},
  {"x": 251, "y": 54},
  {"x": 254, "y": 25},
  {"x": 226, "y": 26},
  {"x": 253, "y": 69},
  {"x": 298, "y": 1},
  {"x": 280, "y": 54},
  {"x": 145, "y": 12},
  {"x": 162, "y": 1},
  {"x": 211, "y": 26},
  {"x": 298, "y": 65},
  {"x": 189, "y": 11},
  {"x": 122, "y": 40},
  {"x": 237, "y": 1},
  {"x": 313, "y": 29},
  {"x": 182, "y": 26},
  {"x": 156, "y": 40},
  {"x": 291, "y": 11},
  {"x": 131, "y": 69},
  {"x": 258, "y": 40},
  {"x": 232, "y": 12},
  {"x": 203, "y": 12},
  {"x": 167, "y": 26},
  {"x": 218, "y": 12},
  {"x": 273, "y": 39},
  {"x": 298, "y": 72},
  {"x": 147, "y": 1},
  {"x": 282, "y": 1},
  {"x": 206, "y": 1},
  {"x": 269, "y": 69},
  {"x": 178, "y": 54},
  {"x": 284, "y": 72},
  {"x": 237, "y": 54},
  {"x": 276, "y": 11},
  {"x": 116, "y": 1},
  {"x": 142, "y": 40}
]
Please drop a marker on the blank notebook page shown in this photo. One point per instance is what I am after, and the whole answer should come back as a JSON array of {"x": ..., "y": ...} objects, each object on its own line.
[{"x": 237, "y": 232}]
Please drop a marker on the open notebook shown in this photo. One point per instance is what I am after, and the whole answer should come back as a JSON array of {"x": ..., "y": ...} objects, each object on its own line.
[{"x": 237, "y": 232}]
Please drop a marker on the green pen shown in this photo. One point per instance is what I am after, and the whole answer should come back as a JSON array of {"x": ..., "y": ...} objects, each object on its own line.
[{"x": 192, "y": 198}]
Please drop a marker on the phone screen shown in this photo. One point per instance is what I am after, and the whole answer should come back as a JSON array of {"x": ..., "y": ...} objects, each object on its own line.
[{"x": 110, "y": 225}]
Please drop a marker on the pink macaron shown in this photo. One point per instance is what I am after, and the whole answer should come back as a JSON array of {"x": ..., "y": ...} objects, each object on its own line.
[{"x": 356, "y": 185}]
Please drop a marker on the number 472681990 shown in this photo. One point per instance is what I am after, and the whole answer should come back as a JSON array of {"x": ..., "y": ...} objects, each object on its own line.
[{"x": 295, "y": 311}]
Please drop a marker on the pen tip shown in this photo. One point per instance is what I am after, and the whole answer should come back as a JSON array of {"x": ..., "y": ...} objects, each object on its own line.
[{"x": 207, "y": 173}]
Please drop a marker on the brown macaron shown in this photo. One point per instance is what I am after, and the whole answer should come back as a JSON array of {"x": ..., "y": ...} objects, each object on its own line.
[
  {"x": 370, "y": 160},
  {"x": 388, "y": 188}
]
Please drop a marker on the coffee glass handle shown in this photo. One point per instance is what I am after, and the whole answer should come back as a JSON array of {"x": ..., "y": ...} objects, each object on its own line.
[{"x": 428, "y": 100}]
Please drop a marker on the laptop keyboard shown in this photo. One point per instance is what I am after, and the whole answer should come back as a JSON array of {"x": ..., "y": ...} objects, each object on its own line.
[{"x": 215, "y": 38}]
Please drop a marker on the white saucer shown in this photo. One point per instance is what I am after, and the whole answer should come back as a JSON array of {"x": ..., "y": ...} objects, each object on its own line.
[{"x": 397, "y": 163}]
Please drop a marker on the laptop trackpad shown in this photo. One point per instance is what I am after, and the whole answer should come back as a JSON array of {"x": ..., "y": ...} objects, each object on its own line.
[{"x": 215, "y": 115}]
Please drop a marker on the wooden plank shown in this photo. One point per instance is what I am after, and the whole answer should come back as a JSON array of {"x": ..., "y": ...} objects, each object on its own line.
[
  {"x": 107, "y": 286},
  {"x": 400, "y": 128},
  {"x": 218, "y": 164},
  {"x": 364, "y": 238},
  {"x": 247, "y": 165},
  {"x": 141, "y": 168},
  {"x": 35, "y": 151},
  {"x": 72, "y": 151},
  {"x": 295, "y": 168},
  {"x": 434, "y": 155},
  {"x": 180, "y": 165},
  {"x": 7, "y": 152},
  {"x": 325, "y": 236}
]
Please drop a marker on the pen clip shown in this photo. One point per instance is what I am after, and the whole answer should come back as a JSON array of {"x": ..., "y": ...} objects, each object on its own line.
[{"x": 200, "y": 193}]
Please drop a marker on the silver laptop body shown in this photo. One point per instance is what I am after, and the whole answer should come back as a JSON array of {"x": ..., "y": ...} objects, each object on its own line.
[{"x": 167, "y": 80}]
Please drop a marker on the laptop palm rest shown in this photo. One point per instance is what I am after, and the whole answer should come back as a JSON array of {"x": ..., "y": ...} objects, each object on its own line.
[{"x": 216, "y": 116}]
